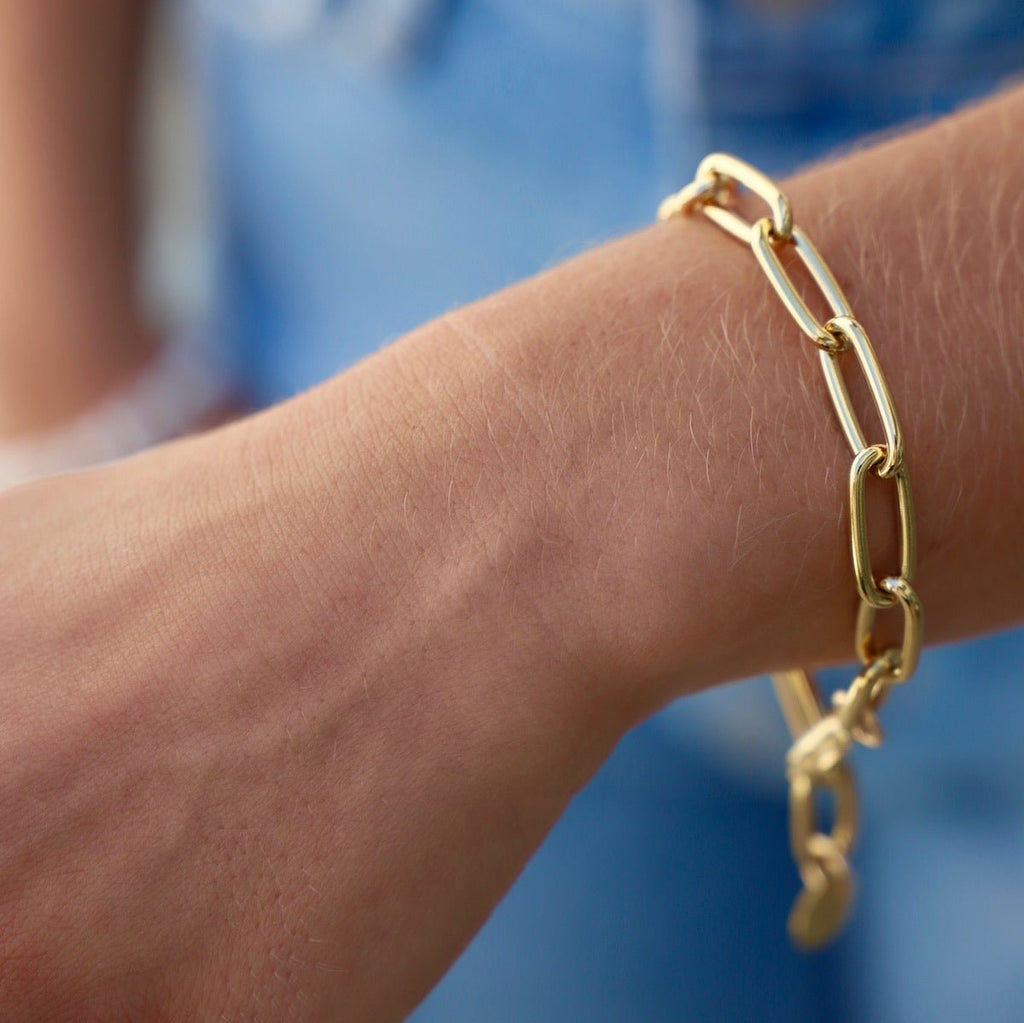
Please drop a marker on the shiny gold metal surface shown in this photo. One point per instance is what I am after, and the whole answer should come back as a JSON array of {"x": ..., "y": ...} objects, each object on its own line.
[
  {"x": 856, "y": 339},
  {"x": 824, "y": 735},
  {"x": 823, "y": 905},
  {"x": 766, "y": 248},
  {"x": 913, "y": 628},
  {"x": 869, "y": 591}
]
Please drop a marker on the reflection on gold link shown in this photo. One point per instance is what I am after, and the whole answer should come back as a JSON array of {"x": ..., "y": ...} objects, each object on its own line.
[{"x": 822, "y": 737}]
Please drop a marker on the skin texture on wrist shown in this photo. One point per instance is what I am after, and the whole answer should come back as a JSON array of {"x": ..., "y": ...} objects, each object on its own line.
[
  {"x": 730, "y": 527},
  {"x": 322, "y": 680}
]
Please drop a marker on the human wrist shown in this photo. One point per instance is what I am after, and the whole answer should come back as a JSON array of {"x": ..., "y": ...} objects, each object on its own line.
[
  {"x": 637, "y": 412},
  {"x": 691, "y": 437},
  {"x": 930, "y": 264},
  {"x": 420, "y": 492}
]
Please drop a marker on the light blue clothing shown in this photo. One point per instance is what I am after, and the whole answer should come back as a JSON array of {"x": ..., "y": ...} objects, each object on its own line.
[{"x": 380, "y": 163}]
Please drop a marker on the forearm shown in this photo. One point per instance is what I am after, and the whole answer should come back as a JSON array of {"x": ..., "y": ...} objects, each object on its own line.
[
  {"x": 69, "y": 320},
  {"x": 362, "y": 649}
]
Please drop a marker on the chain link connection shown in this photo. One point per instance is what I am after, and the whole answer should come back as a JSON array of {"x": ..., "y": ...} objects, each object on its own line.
[{"x": 823, "y": 736}]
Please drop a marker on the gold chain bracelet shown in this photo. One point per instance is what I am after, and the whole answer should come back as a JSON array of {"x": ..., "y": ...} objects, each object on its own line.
[{"x": 822, "y": 738}]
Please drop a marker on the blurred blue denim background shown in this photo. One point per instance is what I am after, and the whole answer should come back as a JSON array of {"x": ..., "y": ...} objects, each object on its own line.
[{"x": 381, "y": 162}]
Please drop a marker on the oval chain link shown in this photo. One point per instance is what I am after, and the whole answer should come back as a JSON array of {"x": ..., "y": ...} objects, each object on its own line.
[
  {"x": 823, "y": 736},
  {"x": 869, "y": 591},
  {"x": 856, "y": 338},
  {"x": 905, "y": 661},
  {"x": 720, "y": 175},
  {"x": 764, "y": 242}
]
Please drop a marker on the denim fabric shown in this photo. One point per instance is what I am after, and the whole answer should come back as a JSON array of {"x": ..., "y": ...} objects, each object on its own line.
[{"x": 379, "y": 163}]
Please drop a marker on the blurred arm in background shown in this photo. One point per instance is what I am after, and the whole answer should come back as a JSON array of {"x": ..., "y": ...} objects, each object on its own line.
[{"x": 71, "y": 331}]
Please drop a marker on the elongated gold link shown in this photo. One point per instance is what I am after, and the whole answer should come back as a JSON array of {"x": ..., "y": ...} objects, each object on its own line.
[
  {"x": 913, "y": 628},
  {"x": 856, "y": 337},
  {"x": 857, "y": 706},
  {"x": 718, "y": 176},
  {"x": 763, "y": 241},
  {"x": 803, "y": 820},
  {"x": 683, "y": 201},
  {"x": 859, "y": 541},
  {"x": 722, "y": 166},
  {"x": 800, "y": 698},
  {"x": 822, "y": 738},
  {"x": 823, "y": 905}
]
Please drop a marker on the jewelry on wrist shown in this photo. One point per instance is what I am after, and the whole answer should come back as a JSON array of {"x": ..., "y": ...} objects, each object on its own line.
[{"x": 823, "y": 737}]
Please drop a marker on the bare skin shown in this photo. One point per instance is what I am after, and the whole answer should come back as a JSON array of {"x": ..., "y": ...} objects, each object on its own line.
[
  {"x": 70, "y": 325},
  {"x": 287, "y": 707}
]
